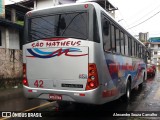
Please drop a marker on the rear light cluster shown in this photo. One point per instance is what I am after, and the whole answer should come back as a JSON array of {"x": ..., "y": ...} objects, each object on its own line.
[
  {"x": 25, "y": 81},
  {"x": 92, "y": 81}
]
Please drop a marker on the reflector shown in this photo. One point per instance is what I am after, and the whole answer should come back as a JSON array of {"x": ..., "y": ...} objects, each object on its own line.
[
  {"x": 91, "y": 84},
  {"x": 86, "y": 6}
]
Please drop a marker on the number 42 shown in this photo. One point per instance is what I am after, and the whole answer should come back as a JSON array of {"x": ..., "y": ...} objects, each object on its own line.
[{"x": 38, "y": 83}]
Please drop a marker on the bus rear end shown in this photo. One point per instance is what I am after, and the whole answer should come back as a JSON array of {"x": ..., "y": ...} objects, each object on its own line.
[{"x": 58, "y": 56}]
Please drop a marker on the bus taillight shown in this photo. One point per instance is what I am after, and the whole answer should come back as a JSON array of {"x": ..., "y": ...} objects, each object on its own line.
[
  {"x": 25, "y": 81},
  {"x": 92, "y": 81}
]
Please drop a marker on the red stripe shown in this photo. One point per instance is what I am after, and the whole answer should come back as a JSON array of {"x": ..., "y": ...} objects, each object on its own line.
[{"x": 30, "y": 56}]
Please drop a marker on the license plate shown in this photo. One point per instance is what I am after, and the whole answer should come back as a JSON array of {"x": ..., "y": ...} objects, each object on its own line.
[{"x": 55, "y": 97}]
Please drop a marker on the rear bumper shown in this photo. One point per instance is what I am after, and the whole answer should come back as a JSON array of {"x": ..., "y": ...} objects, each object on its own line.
[{"x": 89, "y": 97}]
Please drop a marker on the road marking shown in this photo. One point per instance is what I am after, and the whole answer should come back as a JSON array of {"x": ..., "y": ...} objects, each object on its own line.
[
  {"x": 45, "y": 104},
  {"x": 42, "y": 105}
]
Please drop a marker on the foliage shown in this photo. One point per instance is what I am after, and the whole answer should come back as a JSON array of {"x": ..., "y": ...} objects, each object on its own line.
[{"x": 20, "y": 23}]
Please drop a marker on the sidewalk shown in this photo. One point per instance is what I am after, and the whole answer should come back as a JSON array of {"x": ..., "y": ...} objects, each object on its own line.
[{"x": 10, "y": 93}]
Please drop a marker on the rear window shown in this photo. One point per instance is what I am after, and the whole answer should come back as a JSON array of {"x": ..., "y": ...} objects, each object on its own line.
[{"x": 72, "y": 25}]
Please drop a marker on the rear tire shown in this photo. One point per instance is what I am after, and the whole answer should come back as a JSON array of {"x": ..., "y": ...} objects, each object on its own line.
[
  {"x": 127, "y": 95},
  {"x": 141, "y": 85}
]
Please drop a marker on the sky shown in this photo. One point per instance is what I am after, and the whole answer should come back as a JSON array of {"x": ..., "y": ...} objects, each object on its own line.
[
  {"x": 135, "y": 15},
  {"x": 11, "y": 1},
  {"x": 139, "y": 16}
]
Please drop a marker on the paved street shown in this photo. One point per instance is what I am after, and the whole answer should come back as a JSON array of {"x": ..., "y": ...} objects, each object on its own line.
[
  {"x": 146, "y": 99},
  {"x": 87, "y": 51}
]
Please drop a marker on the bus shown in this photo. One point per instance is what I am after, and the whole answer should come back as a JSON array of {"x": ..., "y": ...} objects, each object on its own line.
[{"x": 78, "y": 53}]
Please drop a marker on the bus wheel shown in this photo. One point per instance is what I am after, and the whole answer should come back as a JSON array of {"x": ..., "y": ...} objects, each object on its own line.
[
  {"x": 141, "y": 85},
  {"x": 127, "y": 95}
]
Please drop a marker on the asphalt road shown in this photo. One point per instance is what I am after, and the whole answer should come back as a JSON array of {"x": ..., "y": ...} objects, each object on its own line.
[{"x": 145, "y": 99}]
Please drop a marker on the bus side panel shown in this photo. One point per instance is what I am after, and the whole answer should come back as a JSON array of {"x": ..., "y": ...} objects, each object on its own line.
[{"x": 120, "y": 67}]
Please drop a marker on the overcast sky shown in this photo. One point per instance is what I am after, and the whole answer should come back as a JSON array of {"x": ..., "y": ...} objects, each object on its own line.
[
  {"x": 143, "y": 14},
  {"x": 134, "y": 12},
  {"x": 11, "y": 1}
]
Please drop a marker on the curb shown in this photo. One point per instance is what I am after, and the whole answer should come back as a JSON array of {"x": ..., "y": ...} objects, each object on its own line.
[{"x": 11, "y": 93}]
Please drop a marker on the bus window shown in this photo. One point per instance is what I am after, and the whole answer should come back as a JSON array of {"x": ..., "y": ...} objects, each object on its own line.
[
  {"x": 139, "y": 51},
  {"x": 133, "y": 54},
  {"x": 67, "y": 25},
  {"x": 135, "y": 50},
  {"x": 118, "y": 50},
  {"x": 129, "y": 47},
  {"x": 143, "y": 53},
  {"x": 126, "y": 45},
  {"x": 106, "y": 34},
  {"x": 122, "y": 42},
  {"x": 113, "y": 38}
]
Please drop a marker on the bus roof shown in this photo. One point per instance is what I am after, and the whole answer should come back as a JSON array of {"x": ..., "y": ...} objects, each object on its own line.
[{"x": 65, "y": 5}]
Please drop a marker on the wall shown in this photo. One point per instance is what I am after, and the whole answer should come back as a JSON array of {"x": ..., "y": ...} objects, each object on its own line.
[
  {"x": 10, "y": 64},
  {"x": 39, "y": 4},
  {"x": 14, "y": 39},
  {"x": 10, "y": 38},
  {"x": 154, "y": 45}
]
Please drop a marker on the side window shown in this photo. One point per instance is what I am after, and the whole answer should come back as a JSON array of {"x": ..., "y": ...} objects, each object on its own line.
[
  {"x": 0, "y": 38},
  {"x": 122, "y": 42},
  {"x": 118, "y": 47},
  {"x": 141, "y": 52},
  {"x": 129, "y": 47},
  {"x": 106, "y": 34},
  {"x": 113, "y": 32},
  {"x": 126, "y": 45},
  {"x": 135, "y": 50},
  {"x": 133, "y": 47}
]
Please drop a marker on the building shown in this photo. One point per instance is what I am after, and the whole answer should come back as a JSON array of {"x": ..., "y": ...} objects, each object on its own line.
[
  {"x": 143, "y": 37},
  {"x": 10, "y": 34},
  {"x": 39, "y": 4},
  {"x": 9, "y": 31},
  {"x": 11, "y": 27},
  {"x": 14, "y": 13},
  {"x": 154, "y": 45},
  {"x": 11, "y": 37}
]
